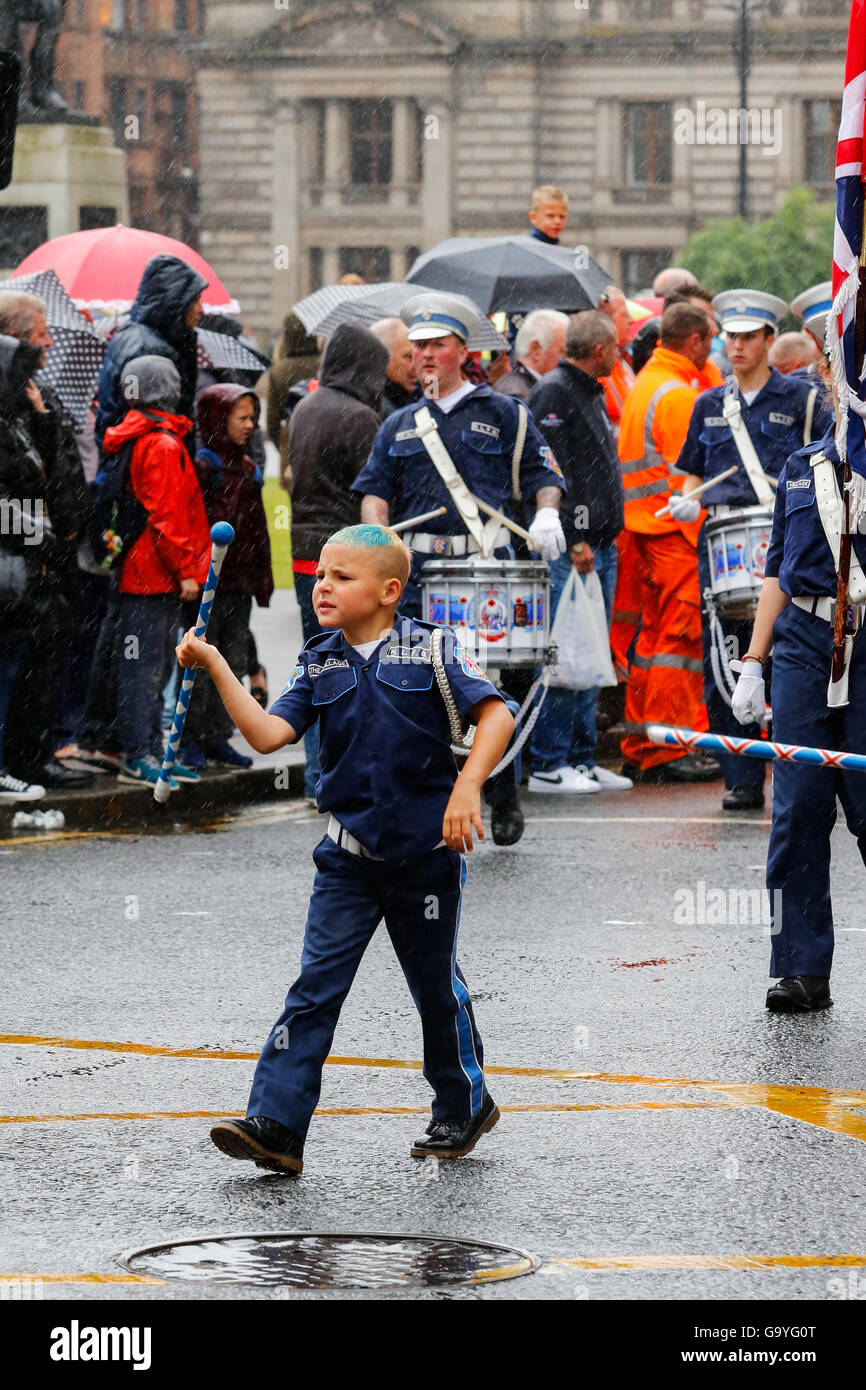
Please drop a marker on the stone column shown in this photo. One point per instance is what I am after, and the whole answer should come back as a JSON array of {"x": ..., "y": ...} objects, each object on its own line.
[
  {"x": 399, "y": 262},
  {"x": 287, "y": 277},
  {"x": 401, "y": 147},
  {"x": 437, "y": 172},
  {"x": 336, "y": 161},
  {"x": 330, "y": 265}
]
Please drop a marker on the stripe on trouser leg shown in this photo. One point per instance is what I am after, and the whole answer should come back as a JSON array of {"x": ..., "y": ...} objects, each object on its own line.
[{"x": 469, "y": 1064}]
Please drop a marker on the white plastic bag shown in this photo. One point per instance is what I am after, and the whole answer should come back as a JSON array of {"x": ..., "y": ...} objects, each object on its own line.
[{"x": 580, "y": 633}]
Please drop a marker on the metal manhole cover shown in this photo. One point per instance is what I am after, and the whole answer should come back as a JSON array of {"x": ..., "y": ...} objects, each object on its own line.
[{"x": 330, "y": 1260}]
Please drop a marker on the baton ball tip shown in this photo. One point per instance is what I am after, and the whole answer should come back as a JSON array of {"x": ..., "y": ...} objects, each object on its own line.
[{"x": 221, "y": 533}]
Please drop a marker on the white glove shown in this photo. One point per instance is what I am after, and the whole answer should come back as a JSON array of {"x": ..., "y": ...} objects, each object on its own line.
[
  {"x": 684, "y": 508},
  {"x": 749, "y": 701},
  {"x": 856, "y": 490},
  {"x": 546, "y": 532}
]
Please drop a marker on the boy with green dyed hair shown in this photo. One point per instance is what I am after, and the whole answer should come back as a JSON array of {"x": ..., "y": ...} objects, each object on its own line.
[{"x": 401, "y": 819}]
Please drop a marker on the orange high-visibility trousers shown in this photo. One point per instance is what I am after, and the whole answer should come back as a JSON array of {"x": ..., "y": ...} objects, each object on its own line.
[
  {"x": 666, "y": 684},
  {"x": 625, "y": 617}
]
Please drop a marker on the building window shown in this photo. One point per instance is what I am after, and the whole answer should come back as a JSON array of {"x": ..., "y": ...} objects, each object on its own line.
[
  {"x": 119, "y": 107},
  {"x": 412, "y": 254},
  {"x": 181, "y": 16},
  {"x": 640, "y": 268},
  {"x": 139, "y": 15},
  {"x": 79, "y": 96},
  {"x": 78, "y": 15},
  {"x": 822, "y": 133},
  {"x": 90, "y": 218},
  {"x": 649, "y": 9},
  {"x": 22, "y": 229},
  {"x": 316, "y": 270},
  {"x": 647, "y": 136},
  {"x": 372, "y": 263},
  {"x": 370, "y": 143},
  {"x": 173, "y": 114}
]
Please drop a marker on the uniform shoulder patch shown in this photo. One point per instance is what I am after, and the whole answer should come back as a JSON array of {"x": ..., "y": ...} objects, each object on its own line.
[
  {"x": 295, "y": 676},
  {"x": 549, "y": 461},
  {"x": 466, "y": 663}
]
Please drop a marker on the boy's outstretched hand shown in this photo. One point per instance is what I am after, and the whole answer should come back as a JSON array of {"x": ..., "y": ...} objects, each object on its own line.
[
  {"x": 462, "y": 812},
  {"x": 195, "y": 652}
]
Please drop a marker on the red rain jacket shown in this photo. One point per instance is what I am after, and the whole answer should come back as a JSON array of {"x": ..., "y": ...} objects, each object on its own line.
[{"x": 175, "y": 544}]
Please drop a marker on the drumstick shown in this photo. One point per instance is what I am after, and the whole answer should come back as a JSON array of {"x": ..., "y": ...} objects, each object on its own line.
[
  {"x": 222, "y": 535},
  {"x": 512, "y": 525},
  {"x": 696, "y": 492},
  {"x": 413, "y": 520}
]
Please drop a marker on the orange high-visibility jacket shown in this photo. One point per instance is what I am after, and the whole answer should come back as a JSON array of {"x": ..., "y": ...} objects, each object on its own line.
[
  {"x": 655, "y": 421},
  {"x": 616, "y": 389}
]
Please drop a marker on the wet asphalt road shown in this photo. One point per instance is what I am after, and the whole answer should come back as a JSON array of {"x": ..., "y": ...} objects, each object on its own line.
[{"x": 697, "y": 1126}]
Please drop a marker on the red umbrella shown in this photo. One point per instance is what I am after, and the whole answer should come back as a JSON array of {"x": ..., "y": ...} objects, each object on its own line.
[{"x": 103, "y": 268}]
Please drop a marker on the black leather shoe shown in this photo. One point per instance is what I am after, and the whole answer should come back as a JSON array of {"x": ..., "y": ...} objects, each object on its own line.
[
  {"x": 688, "y": 769},
  {"x": 743, "y": 799},
  {"x": 52, "y": 774},
  {"x": 454, "y": 1138},
  {"x": 506, "y": 822},
  {"x": 799, "y": 994},
  {"x": 266, "y": 1142}
]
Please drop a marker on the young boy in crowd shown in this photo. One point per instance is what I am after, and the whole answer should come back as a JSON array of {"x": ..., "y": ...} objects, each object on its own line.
[
  {"x": 231, "y": 484},
  {"x": 399, "y": 824}
]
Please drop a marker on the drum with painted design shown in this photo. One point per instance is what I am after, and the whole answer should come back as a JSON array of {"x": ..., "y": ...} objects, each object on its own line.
[
  {"x": 500, "y": 609},
  {"x": 737, "y": 546}
]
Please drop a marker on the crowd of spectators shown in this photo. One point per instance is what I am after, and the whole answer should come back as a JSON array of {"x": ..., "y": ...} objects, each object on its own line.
[{"x": 89, "y": 617}]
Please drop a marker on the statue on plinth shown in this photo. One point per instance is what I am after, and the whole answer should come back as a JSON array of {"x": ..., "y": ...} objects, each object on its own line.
[{"x": 47, "y": 15}]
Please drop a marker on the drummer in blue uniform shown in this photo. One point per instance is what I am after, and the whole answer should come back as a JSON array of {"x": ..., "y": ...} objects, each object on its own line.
[
  {"x": 796, "y": 614},
  {"x": 779, "y": 413},
  {"x": 488, "y": 437},
  {"x": 813, "y": 305}
]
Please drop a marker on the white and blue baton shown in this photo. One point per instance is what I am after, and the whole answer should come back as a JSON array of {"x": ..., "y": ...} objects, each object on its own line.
[
  {"x": 756, "y": 748},
  {"x": 222, "y": 535}
]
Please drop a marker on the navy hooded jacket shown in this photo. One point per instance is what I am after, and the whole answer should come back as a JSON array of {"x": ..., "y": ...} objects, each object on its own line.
[{"x": 156, "y": 329}]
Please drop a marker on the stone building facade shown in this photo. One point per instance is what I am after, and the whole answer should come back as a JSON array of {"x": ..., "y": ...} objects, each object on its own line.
[
  {"x": 129, "y": 62},
  {"x": 347, "y": 134}
]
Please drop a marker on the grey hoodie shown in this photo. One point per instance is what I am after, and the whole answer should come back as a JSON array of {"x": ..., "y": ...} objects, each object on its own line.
[{"x": 331, "y": 432}]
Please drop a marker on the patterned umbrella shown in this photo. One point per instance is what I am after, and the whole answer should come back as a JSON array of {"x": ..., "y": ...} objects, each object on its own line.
[
  {"x": 73, "y": 363},
  {"x": 324, "y": 310}
]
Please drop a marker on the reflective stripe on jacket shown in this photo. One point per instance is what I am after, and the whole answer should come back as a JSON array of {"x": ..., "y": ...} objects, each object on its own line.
[{"x": 655, "y": 421}]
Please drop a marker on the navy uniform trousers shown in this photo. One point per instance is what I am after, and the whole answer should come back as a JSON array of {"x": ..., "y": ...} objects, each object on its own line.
[
  {"x": 737, "y": 772},
  {"x": 420, "y": 902},
  {"x": 804, "y": 797}
]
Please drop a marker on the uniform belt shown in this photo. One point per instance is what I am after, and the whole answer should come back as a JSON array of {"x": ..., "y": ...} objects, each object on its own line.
[
  {"x": 824, "y": 607},
  {"x": 341, "y": 837},
  {"x": 428, "y": 544}
]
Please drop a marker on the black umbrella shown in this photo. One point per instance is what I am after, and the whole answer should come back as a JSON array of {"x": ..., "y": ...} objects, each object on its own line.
[{"x": 514, "y": 274}]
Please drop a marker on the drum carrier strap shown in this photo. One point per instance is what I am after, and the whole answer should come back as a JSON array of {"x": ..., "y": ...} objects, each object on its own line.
[
  {"x": 733, "y": 413},
  {"x": 517, "y": 455},
  {"x": 428, "y": 432}
]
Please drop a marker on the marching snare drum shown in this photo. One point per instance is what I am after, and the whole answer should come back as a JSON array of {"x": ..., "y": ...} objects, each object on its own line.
[
  {"x": 737, "y": 546},
  {"x": 500, "y": 609}
]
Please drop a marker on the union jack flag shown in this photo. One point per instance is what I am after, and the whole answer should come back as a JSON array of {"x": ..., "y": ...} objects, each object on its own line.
[{"x": 848, "y": 244}]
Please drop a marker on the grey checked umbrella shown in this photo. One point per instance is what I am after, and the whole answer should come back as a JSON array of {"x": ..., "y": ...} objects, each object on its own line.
[
  {"x": 73, "y": 363},
  {"x": 325, "y": 309}
]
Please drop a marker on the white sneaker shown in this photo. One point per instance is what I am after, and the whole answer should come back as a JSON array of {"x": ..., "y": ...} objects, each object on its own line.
[
  {"x": 610, "y": 781},
  {"x": 13, "y": 789},
  {"x": 562, "y": 779}
]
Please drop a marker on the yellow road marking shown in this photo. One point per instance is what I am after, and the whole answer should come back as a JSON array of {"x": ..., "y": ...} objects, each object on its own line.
[
  {"x": 632, "y": 1262},
  {"x": 589, "y": 1264},
  {"x": 79, "y": 1279},
  {"x": 834, "y": 1110},
  {"x": 538, "y": 1108}
]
